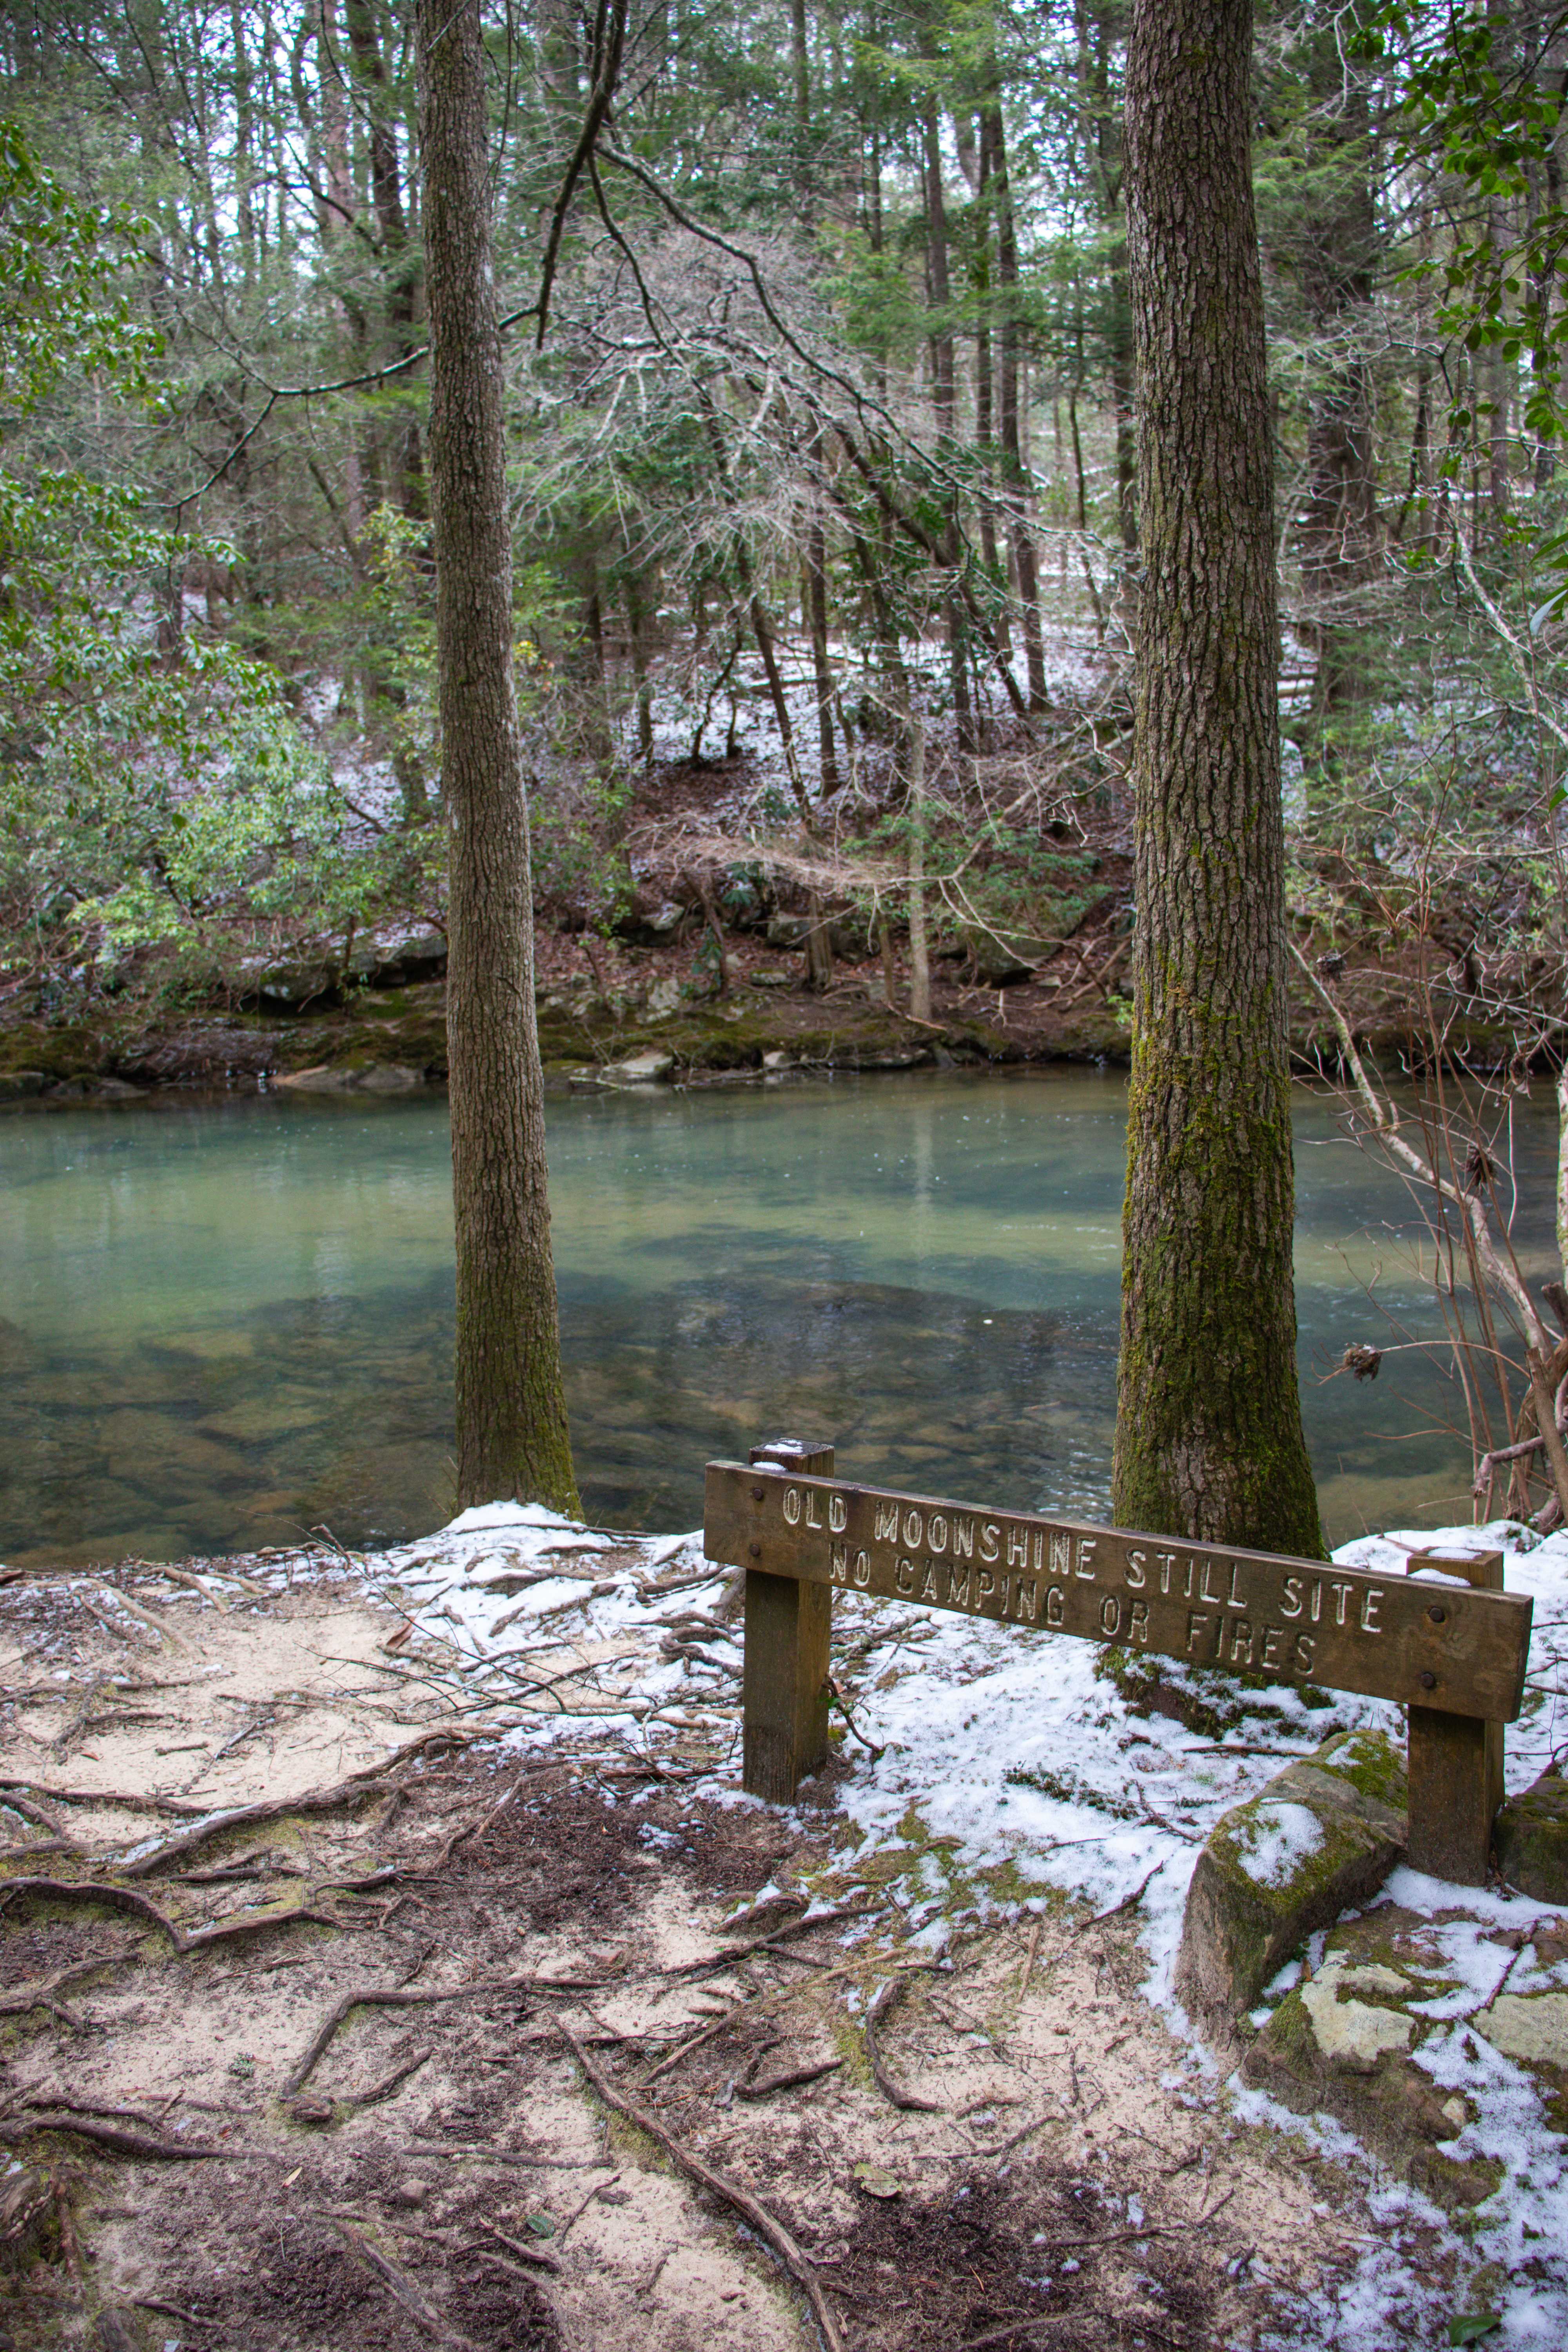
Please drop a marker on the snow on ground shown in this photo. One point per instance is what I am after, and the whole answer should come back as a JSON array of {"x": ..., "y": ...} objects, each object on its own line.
[{"x": 1038, "y": 1773}]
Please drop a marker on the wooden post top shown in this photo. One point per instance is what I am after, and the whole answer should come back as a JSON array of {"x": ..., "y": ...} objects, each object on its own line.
[{"x": 1397, "y": 1636}]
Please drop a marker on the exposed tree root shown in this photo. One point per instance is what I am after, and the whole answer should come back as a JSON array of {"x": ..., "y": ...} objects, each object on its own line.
[
  {"x": 309, "y": 1800},
  {"x": 767, "y": 2226},
  {"x": 126, "y": 1898},
  {"x": 43, "y": 1990},
  {"x": 414, "y": 1997},
  {"x": 887, "y": 2001},
  {"x": 123, "y": 2143},
  {"x": 400, "y": 2286},
  {"x": 791, "y": 2082}
]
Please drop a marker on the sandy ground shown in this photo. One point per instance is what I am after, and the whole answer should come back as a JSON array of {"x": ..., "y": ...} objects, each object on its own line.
[{"x": 1014, "y": 2150}]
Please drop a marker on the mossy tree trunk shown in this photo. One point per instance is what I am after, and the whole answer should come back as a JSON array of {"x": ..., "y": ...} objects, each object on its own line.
[
  {"x": 1208, "y": 1434},
  {"x": 512, "y": 1437}
]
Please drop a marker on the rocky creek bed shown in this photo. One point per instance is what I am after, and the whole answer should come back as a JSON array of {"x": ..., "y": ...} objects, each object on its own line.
[{"x": 610, "y": 1012}]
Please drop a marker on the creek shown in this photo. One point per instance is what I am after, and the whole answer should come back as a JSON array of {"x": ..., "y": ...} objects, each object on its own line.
[{"x": 227, "y": 1321}]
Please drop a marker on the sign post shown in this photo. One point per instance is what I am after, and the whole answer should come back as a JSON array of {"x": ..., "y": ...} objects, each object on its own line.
[
  {"x": 1454, "y": 1762},
  {"x": 1454, "y": 1655},
  {"x": 789, "y": 1624}
]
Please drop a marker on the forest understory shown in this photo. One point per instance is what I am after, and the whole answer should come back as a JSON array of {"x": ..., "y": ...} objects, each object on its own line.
[{"x": 712, "y": 967}]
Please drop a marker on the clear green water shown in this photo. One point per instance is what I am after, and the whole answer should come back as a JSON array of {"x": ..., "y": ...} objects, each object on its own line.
[{"x": 225, "y": 1322}]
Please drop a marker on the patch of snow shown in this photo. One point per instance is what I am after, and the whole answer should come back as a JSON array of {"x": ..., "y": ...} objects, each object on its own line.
[{"x": 1276, "y": 1840}]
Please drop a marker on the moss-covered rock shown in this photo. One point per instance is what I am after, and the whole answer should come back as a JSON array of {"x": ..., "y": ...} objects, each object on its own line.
[
  {"x": 1322, "y": 1835},
  {"x": 1531, "y": 1840},
  {"x": 1346, "y": 2039}
]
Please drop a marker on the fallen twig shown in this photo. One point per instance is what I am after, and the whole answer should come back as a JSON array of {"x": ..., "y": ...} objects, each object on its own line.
[
  {"x": 145, "y": 1617},
  {"x": 685, "y": 2048},
  {"x": 534, "y": 2254},
  {"x": 512, "y": 2270},
  {"x": 720, "y": 2184},
  {"x": 578, "y": 2211},
  {"x": 766, "y": 1941},
  {"x": 1019, "y": 2328},
  {"x": 791, "y": 2082},
  {"x": 387, "y": 2085},
  {"x": 172, "y": 2311},
  {"x": 777, "y": 1912},
  {"x": 842, "y": 1704},
  {"x": 887, "y": 2001},
  {"x": 1127, "y": 1902}
]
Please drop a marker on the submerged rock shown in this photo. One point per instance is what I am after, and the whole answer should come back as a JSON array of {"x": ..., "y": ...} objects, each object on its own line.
[
  {"x": 1531, "y": 1840},
  {"x": 369, "y": 1078},
  {"x": 1322, "y": 1835}
]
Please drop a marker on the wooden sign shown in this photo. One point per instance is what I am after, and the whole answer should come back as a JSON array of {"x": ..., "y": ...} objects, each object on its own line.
[
  {"x": 1297, "y": 1621},
  {"x": 1444, "y": 1638}
]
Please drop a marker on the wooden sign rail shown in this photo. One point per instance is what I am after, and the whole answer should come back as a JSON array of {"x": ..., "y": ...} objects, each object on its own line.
[{"x": 1453, "y": 1650}]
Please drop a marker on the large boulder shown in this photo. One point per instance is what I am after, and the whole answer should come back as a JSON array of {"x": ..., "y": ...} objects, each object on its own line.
[
  {"x": 291, "y": 987},
  {"x": 642, "y": 1070},
  {"x": 1321, "y": 1837},
  {"x": 405, "y": 962},
  {"x": 1531, "y": 1840},
  {"x": 657, "y": 923}
]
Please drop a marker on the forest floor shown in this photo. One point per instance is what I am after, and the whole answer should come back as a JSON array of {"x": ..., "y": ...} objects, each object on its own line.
[{"x": 390, "y": 1959}]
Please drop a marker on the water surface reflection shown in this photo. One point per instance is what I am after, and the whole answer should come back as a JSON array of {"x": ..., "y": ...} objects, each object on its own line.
[{"x": 227, "y": 1321}]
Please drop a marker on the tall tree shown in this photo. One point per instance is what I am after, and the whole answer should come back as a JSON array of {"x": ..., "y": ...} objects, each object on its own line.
[
  {"x": 1209, "y": 1429},
  {"x": 512, "y": 1436}
]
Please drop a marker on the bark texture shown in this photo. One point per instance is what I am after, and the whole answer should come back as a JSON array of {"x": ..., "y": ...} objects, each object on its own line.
[
  {"x": 512, "y": 1437},
  {"x": 1208, "y": 1437}
]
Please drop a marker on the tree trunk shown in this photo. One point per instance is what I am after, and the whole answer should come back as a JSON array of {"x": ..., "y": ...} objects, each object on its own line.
[
  {"x": 1014, "y": 477},
  {"x": 396, "y": 253},
  {"x": 512, "y": 1437},
  {"x": 1209, "y": 1429},
  {"x": 814, "y": 604},
  {"x": 1339, "y": 245},
  {"x": 946, "y": 400},
  {"x": 920, "y": 951},
  {"x": 636, "y": 630}
]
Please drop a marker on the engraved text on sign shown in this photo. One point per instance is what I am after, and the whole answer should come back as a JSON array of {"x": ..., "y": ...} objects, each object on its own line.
[{"x": 1296, "y": 1621}]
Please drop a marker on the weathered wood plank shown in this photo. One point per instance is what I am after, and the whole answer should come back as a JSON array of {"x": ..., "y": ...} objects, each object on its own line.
[{"x": 1433, "y": 1646}]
